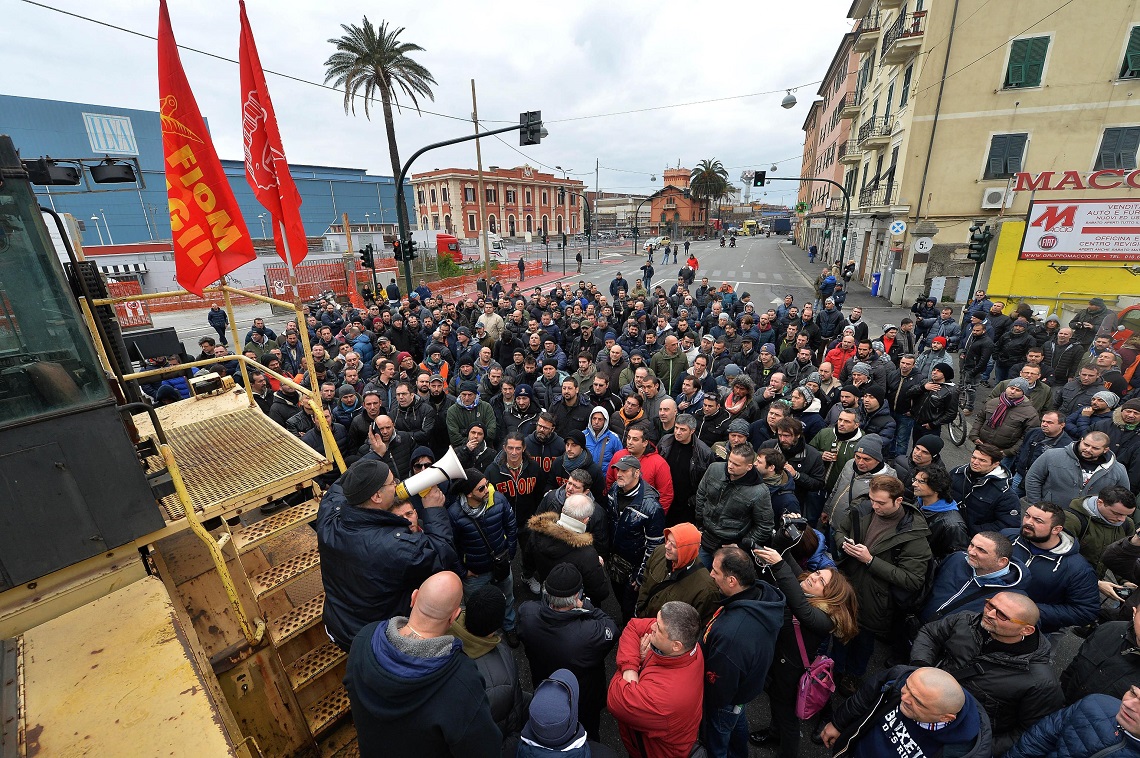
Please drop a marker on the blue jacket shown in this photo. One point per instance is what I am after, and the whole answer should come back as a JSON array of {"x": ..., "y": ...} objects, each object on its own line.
[
  {"x": 1062, "y": 582},
  {"x": 362, "y": 346},
  {"x": 1084, "y": 728},
  {"x": 988, "y": 503},
  {"x": 498, "y": 523},
  {"x": 820, "y": 559},
  {"x": 954, "y": 581},
  {"x": 370, "y": 562},
  {"x": 217, "y": 318},
  {"x": 739, "y": 644},
  {"x": 638, "y": 525},
  {"x": 784, "y": 498},
  {"x": 602, "y": 446},
  {"x": 179, "y": 383}
]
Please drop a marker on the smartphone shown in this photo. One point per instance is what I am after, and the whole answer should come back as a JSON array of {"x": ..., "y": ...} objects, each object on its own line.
[{"x": 848, "y": 540}]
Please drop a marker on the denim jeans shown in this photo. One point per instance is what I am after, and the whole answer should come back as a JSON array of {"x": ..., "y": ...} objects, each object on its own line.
[
  {"x": 904, "y": 426},
  {"x": 506, "y": 586},
  {"x": 726, "y": 732},
  {"x": 706, "y": 557}
]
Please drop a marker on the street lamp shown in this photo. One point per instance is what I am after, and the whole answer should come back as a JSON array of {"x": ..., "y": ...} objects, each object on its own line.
[
  {"x": 96, "y": 220},
  {"x": 261, "y": 218},
  {"x": 368, "y": 223},
  {"x": 110, "y": 239},
  {"x": 789, "y": 100}
]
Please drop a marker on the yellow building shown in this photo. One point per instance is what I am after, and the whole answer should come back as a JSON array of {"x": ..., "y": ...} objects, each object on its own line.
[{"x": 954, "y": 98}]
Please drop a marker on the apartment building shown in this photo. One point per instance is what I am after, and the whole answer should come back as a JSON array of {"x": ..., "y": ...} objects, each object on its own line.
[{"x": 959, "y": 107}]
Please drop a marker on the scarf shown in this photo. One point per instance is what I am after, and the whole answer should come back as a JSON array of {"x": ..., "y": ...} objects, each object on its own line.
[
  {"x": 474, "y": 403},
  {"x": 1004, "y": 404},
  {"x": 734, "y": 405}
]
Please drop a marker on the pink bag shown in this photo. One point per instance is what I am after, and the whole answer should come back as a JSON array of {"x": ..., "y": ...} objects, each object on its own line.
[{"x": 817, "y": 683}]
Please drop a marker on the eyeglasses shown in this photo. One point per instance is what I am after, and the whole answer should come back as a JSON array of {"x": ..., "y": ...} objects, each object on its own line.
[
  {"x": 420, "y": 466},
  {"x": 1002, "y": 614},
  {"x": 480, "y": 488}
]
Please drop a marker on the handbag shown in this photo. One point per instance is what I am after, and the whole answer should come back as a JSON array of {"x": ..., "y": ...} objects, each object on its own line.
[
  {"x": 500, "y": 561},
  {"x": 817, "y": 683},
  {"x": 621, "y": 570}
]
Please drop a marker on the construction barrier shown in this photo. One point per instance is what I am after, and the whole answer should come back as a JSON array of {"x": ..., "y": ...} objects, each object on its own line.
[{"x": 133, "y": 312}]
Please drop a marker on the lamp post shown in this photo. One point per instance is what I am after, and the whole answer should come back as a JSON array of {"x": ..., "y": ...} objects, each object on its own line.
[
  {"x": 110, "y": 239},
  {"x": 533, "y": 131},
  {"x": 96, "y": 220},
  {"x": 261, "y": 218}
]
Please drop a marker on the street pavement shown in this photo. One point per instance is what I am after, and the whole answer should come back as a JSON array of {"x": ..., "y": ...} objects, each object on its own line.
[{"x": 768, "y": 269}]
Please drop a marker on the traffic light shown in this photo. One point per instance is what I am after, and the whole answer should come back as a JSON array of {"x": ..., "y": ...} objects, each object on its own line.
[
  {"x": 563, "y": 239},
  {"x": 980, "y": 237},
  {"x": 398, "y": 250},
  {"x": 531, "y": 131},
  {"x": 545, "y": 238},
  {"x": 758, "y": 178},
  {"x": 410, "y": 253},
  {"x": 366, "y": 256},
  {"x": 635, "y": 231},
  {"x": 561, "y": 195}
]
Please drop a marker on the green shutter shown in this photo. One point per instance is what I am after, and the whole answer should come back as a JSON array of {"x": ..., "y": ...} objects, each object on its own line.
[
  {"x": 996, "y": 164},
  {"x": 1129, "y": 142},
  {"x": 1108, "y": 144},
  {"x": 1035, "y": 61},
  {"x": 1015, "y": 148},
  {"x": 1026, "y": 62},
  {"x": 1131, "y": 67}
]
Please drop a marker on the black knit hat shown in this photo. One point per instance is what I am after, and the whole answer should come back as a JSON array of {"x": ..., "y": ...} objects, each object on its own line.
[
  {"x": 564, "y": 580},
  {"x": 363, "y": 480},
  {"x": 466, "y": 486},
  {"x": 485, "y": 610}
]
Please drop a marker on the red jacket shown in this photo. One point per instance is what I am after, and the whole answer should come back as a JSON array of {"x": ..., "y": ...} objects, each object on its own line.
[
  {"x": 654, "y": 469},
  {"x": 660, "y": 714},
  {"x": 837, "y": 353}
]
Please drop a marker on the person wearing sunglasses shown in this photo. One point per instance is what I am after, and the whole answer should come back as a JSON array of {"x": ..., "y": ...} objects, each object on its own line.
[{"x": 999, "y": 657}]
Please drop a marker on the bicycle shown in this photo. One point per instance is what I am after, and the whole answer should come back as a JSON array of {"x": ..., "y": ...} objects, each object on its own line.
[{"x": 959, "y": 425}]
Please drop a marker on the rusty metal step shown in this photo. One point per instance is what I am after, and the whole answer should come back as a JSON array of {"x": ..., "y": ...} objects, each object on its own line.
[
  {"x": 313, "y": 664},
  {"x": 259, "y": 532},
  {"x": 304, "y": 616},
  {"x": 324, "y": 713},
  {"x": 285, "y": 573}
]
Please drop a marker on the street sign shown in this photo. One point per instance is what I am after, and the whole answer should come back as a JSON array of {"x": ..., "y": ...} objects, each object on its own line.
[
  {"x": 898, "y": 228},
  {"x": 923, "y": 245}
]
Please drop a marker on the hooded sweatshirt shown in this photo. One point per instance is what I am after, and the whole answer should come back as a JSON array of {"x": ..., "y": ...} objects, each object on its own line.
[
  {"x": 604, "y": 444},
  {"x": 1061, "y": 581},
  {"x": 417, "y": 696}
]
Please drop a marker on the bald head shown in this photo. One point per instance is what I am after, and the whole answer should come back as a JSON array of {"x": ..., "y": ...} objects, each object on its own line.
[
  {"x": 1018, "y": 606},
  {"x": 436, "y": 603},
  {"x": 932, "y": 696}
]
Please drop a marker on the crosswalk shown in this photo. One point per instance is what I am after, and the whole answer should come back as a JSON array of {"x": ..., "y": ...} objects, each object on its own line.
[{"x": 762, "y": 276}]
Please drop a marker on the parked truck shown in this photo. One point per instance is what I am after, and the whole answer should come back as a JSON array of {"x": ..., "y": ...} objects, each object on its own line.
[{"x": 781, "y": 225}]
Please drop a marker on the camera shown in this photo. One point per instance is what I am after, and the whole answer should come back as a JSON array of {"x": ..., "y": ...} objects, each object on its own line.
[{"x": 1123, "y": 592}]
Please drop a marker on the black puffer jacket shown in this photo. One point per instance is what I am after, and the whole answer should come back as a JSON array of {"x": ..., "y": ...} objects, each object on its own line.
[
  {"x": 935, "y": 408},
  {"x": 418, "y": 420},
  {"x": 1011, "y": 348},
  {"x": 1015, "y": 690},
  {"x": 699, "y": 463},
  {"x": 1108, "y": 663}
]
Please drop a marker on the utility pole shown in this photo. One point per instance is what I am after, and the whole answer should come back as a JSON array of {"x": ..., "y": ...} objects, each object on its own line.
[{"x": 480, "y": 200}]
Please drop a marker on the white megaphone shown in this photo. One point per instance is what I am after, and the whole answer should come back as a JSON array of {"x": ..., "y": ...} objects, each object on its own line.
[{"x": 447, "y": 467}]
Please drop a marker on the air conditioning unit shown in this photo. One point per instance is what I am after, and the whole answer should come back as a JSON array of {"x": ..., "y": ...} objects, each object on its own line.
[{"x": 995, "y": 197}]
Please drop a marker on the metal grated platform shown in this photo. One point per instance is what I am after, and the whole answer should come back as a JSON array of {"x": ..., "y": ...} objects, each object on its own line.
[
  {"x": 325, "y": 712},
  {"x": 238, "y": 459},
  {"x": 286, "y": 627},
  {"x": 259, "y": 532},
  {"x": 285, "y": 573},
  {"x": 313, "y": 664}
]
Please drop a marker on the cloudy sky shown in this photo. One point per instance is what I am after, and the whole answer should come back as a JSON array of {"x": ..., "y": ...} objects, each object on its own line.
[{"x": 573, "y": 61}]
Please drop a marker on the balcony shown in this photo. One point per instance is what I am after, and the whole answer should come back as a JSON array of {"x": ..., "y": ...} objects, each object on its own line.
[
  {"x": 850, "y": 152},
  {"x": 874, "y": 132},
  {"x": 887, "y": 4},
  {"x": 904, "y": 37},
  {"x": 867, "y": 32},
  {"x": 670, "y": 204},
  {"x": 879, "y": 196},
  {"x": 851, "y": 105}
]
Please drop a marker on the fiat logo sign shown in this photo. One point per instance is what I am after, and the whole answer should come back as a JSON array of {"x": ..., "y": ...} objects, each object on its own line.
[{"x": 1047, "y": 242}]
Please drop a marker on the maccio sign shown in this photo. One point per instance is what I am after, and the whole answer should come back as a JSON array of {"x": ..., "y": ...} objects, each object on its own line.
[
  {"x": 1060, "y": 181},
  {"x": 1083, "y": 230}
]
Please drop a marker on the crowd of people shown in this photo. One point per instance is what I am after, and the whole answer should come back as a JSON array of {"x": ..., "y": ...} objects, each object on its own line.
[{"x": 747, "y": 488}]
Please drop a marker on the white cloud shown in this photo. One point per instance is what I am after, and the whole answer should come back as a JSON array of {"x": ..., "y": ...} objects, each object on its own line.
[{"x": 567, "y": 60}]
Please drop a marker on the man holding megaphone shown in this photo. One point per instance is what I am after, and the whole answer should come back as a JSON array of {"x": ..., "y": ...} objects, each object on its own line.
[{"x": 373, "y": 554}]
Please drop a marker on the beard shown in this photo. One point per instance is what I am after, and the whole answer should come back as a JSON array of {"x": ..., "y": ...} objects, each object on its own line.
[{"x": 1035, "y": 539}]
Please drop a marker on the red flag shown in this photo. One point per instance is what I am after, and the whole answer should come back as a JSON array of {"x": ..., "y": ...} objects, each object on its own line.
[
  {"x": 266, "y": 169},
  {"x": 210, "y": 238}
]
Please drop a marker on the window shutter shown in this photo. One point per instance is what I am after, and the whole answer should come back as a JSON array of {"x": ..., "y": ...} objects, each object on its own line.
[
  {"x": 1131, "y": 68},
  {"x": 1108, "y": 145},
  {"x": 1035, "y": 60},
  {"x": 1129, "y": 142},
  {"x": 996, "y": 163},
  {"x": 1015, "y": 149},
  {"x": 1015, "y": 73}
]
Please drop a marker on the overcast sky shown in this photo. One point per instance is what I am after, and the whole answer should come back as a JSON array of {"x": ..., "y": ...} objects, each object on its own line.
[{"x": 569, "y": 60}]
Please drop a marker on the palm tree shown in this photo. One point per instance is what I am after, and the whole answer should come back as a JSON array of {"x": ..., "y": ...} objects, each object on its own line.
[
  {"x": 708, "y": 181},
  {"x": 373, "y": 59}
]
